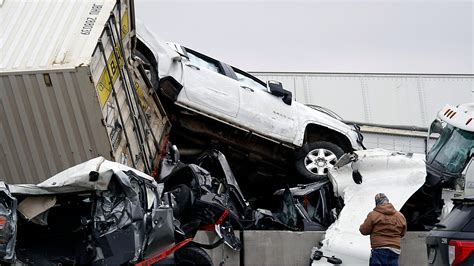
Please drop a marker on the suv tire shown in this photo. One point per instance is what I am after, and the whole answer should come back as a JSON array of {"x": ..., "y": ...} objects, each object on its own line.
[
  {"x": 190, "y": 255},
  {"x": 315, "y": 159}
]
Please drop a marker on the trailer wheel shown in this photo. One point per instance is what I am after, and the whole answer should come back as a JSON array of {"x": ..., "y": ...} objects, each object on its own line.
[
  {"x": 315, "y": 159},
  {"x": 191, "y": 255}
]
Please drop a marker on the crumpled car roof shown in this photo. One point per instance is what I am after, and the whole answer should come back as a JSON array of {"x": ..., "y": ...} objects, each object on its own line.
[{"x": 77, "y": 179}]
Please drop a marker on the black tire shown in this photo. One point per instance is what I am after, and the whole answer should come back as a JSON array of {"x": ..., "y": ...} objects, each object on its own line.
[
  {"x": 191, "y": 255},
  {"x": 303, "y": 162},
  {"x": 183, "y": 208},
  {"x": 151, "y": 67}
]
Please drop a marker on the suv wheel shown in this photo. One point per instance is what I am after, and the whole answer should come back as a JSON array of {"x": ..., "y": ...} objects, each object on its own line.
[
  {"x": 190, "y": 255},
  {"x": 315, "y": 159}
]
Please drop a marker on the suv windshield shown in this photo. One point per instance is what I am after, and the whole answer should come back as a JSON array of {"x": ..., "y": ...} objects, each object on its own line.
[{"x": 452, "y": 149}]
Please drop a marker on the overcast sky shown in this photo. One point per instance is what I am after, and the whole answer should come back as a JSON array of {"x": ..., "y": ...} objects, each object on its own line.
[{"x": 322, "y": 36}]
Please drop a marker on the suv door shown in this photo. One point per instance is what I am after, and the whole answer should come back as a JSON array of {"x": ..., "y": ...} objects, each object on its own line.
[
  {"x": 263, "y": 112},
  {"x": 207, "y": 88}
]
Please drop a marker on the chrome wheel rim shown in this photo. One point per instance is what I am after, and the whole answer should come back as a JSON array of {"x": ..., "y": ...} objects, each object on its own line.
[{"x": 320, "y": 161}]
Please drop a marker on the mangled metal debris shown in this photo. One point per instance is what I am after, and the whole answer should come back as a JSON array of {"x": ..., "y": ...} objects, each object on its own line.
[
  {"x": 98, "y": 212},
  {"x": 202, "y": 197},
  {"x": 101, "y": 208},
  {"x": 397, "y": 175}
]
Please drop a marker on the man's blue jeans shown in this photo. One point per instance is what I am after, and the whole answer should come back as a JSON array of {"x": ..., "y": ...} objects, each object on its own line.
[{"x": 383, "y": 256}]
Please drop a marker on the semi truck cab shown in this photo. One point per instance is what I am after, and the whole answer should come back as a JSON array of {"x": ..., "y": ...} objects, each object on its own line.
[{"x": 450, "y": 160}]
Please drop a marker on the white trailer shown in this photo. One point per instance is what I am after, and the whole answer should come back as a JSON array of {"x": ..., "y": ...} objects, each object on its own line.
[
  {"x": 59, "y": 103},
  {"x": 394, "y": 110}
]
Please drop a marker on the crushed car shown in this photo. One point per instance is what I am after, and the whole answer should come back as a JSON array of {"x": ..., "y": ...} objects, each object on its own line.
[
  {"x": 213, "y": 104},
  {"x": 206, "y": 193},
  {"x": 97, "y": 212}
]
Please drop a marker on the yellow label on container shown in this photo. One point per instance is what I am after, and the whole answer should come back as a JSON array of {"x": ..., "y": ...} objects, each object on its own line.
[
  {"x": 104, "y": 86},
  {"x": 141, "y": 96},
  {"x": 124, "y": 30}
]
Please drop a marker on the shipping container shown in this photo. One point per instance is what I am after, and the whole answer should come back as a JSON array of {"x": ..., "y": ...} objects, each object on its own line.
[{"x": 59, "y": 103}]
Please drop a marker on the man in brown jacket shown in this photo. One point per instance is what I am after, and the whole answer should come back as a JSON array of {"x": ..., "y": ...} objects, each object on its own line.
[{"x": 386, "y": 226}]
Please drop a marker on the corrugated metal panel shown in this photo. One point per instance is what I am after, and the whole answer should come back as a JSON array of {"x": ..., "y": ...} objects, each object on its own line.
[
  {"x": 53, "y": 118},
  {"x": 50, "y": 33},
  {"x": 387, "y": 99},
  {"x": 47, "y": 127}
]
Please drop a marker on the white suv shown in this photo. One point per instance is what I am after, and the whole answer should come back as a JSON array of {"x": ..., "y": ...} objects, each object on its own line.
[{"x": 225, "y": 104}]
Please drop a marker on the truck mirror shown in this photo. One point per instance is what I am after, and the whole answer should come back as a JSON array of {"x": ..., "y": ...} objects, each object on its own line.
[
  {"x": 276, "y": 88},
  {"x": 436, "y": 127}
]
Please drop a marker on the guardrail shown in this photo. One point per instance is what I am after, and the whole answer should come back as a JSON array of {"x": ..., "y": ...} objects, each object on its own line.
[{"x": 294, "y": 248}]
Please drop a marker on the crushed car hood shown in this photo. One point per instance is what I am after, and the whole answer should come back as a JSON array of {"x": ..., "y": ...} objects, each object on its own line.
[
  {"x": 169, "y": 64},
  {"x": 398, "y": 175},
  {"x": 94, "y": 174},
  {"x": 110, "y": 209}
]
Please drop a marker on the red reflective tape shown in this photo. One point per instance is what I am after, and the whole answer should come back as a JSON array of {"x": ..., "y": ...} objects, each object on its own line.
[
  {"x": 220, "y": 220},
  {"x": 3, "y": 220},
  {"x": 223, "y": 216},
  {"x": 207, "y": 227},
  {"x": 164, "y": 145},
  {"x": 159, "y": 156},
  {"x": 164, "y": 254}
]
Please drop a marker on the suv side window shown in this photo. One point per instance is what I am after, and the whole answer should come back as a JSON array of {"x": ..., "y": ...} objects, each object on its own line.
[
  {"x": 249, "y": 80},
  {"x": 203, "y": 61}
]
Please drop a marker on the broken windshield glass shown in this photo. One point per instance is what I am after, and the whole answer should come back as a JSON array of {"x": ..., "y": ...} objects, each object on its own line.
[{"x": 452, "y": 157}]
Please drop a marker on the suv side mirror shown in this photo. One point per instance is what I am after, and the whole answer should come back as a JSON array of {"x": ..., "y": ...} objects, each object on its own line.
[{"x": 276, "y": 88}]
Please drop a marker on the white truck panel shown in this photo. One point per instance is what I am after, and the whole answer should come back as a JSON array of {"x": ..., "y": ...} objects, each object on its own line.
[
  {"x": 50, "y": 34},
  {"x": 461, "y": 117},
  {"x": 394, "y": 142},
  {"x": 386, "y": 99}
]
